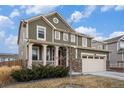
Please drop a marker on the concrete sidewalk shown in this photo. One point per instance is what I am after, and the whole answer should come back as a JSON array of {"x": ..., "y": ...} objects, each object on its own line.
[{"x": 114, "y": 75}]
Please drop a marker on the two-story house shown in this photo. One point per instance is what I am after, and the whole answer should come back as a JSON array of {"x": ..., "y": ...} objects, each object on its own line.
[
  {"x": 116, "y": 46},
  {"x": 49, "y": 39},
  {"x": 98, "y": 44}
]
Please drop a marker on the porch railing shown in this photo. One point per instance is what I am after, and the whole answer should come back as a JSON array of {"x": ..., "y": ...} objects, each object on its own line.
[
  {"x": 37, "y": 61},
  {"x": 48, "y": 62}
]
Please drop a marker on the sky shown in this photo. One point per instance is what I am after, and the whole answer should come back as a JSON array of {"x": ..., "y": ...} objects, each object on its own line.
[{"x": 101, "y": 22}]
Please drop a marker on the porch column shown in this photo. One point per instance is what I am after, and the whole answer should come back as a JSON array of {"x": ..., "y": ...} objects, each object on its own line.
[
  {"x": 56, "y": 55},
  {"x": 29, "y": 64},
  {"x": 44, "y": 54},
  {"x": 67, "y": 56}
]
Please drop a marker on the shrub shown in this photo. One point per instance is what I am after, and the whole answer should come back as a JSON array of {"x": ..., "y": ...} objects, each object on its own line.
[{"x": 39, "y": 72}]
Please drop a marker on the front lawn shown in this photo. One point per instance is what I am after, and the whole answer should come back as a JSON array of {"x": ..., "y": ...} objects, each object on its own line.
[{"x": 87, "y": 81}]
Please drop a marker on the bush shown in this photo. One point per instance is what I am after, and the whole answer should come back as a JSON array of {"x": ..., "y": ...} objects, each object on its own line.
[{"x": 39, "y": 72}]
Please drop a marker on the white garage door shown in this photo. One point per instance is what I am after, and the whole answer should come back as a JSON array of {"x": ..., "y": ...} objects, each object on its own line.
[{"x": 93, "y": 63}]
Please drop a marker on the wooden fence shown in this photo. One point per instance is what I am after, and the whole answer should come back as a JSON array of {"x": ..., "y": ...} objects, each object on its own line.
[{"x": 13, "y": 63}]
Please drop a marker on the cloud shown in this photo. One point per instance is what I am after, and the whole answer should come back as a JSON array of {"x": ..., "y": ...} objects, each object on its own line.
[
  {"x": 105, "y": 8},
  {"x": 36, "y": 9},
  {"x": 87, "y": 30},
  {"x": 90, "y": 31},
  {"x": 116, "y": 33},
  {"x": 119, "y": 8},
  {"x": 88, "y": 11},
  {"x": 97, "y": 36},
  {"x": 2, "y": 35},
  {"x": 77, "y": 15},
  {"x": 114, "y": 7},
  {"x": 15, "y": 13},
  {"x": 11, "y": 42},
  {"x": 5, "y": 22}
]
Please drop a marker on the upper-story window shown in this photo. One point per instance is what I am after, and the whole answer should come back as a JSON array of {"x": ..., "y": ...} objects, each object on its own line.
[
  {"x": 72, "y": 38},
  {"x": 57, "y": 35},
  {"x": 84, "y": 42},
  {"x": 65, "y": 36},
  {"x": 41, "y": 32},
  {"x": 122, "y": 44},
  {"x": 55, "y": 20}
]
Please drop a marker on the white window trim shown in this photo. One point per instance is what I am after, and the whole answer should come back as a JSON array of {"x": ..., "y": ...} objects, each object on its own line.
[
  {"x": 37, "y": 52},
  {"x": 55, "y": 20},
  {"x": 44, "y": 32},
  {"x": 72, "y": 39},
  {"x": 83, "y": 41},
  {"x": 58, "y": 36},
  {"x": 65, "y": 34}
]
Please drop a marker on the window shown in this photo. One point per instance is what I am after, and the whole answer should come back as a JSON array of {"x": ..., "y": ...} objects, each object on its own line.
[
  {"x": 55, "y": 20},
  {"x": 72, "y": 38},
  {"x": 121, "y": 44},
  {"x": 57, "y": 35},
  {"x": 90, "y": 57},
  {"x": 35, "y": 53},
  {"x": 96, "y": 57},
  {"x": 101, "y": 57},
  {"x": 84, "y": 42},
  {"x": 65, "y": 36},
  {"x": 50, "y": 54},
  {"x": 84, "y": 56},
  {"x": 41, "y": 32}
]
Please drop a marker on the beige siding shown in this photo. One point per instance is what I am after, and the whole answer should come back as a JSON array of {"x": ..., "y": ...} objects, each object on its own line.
[
  {"x": 65, "y": 42},
  {"x": 22, "y": 45},
  {"x": 113, "y": 56},
  {"x": 33, "y": 29}
]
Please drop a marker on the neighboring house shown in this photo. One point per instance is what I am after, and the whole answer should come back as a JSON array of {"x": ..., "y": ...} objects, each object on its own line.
[
  {"x": 116, "y": 47},
  {"x": 8, "y": 57},
  {"x": 98, "y": 44},
  {"x": 46, "y": 39}
]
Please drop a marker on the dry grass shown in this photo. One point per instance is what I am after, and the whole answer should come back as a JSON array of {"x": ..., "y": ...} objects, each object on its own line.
[
  {"x": 78, "y": 81},
  {"x": 5, "y": 77}
]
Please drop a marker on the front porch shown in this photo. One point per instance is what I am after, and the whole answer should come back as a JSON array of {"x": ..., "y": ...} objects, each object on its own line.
[{"x": 47, "y": 54}]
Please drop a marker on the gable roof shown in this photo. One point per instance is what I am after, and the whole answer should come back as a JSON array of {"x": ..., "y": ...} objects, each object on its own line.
[
  {"x": 61, "y": 17},
  {"x": 115, "y": 39},
  {"x": 96, "y": 41}
]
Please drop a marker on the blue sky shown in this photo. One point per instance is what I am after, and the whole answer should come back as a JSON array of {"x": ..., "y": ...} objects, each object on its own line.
[{"x": 101, "y": 22}]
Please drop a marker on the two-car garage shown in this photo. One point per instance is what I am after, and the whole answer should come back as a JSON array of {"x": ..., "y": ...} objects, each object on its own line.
[{"x": 93, "y": 62}]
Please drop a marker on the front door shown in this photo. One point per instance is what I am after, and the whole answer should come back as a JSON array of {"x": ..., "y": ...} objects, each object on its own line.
[{"x": 62, "y": 56}]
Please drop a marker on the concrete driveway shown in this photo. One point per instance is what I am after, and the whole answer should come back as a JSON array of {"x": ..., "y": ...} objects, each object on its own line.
[{"x": 114, "y": 75}]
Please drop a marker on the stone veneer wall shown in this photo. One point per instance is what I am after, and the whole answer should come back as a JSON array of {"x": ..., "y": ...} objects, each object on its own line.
[{"x": 76, "y": 65}]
